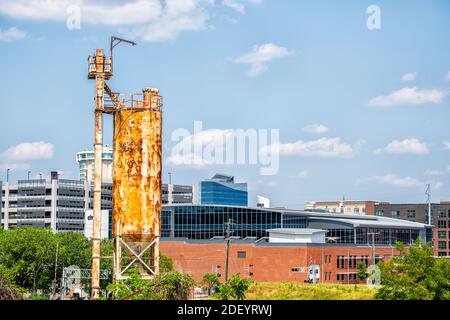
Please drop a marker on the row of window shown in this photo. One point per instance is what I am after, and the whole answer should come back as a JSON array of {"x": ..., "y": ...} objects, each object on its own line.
[
  {"x": 411, "y": 213},
  {"x": 346, "y": 277},
  {"x": 351, "y": 262},
  {"x": 442, "y": 245}
]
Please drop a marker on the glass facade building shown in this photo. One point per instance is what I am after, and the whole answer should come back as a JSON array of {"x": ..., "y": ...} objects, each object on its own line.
[
  {"x": 222, "y": 190},
  {"x": 203, "y": 222}
]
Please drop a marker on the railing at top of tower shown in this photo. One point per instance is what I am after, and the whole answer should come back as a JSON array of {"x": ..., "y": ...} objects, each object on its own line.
[{"x": 128, "y": 101}]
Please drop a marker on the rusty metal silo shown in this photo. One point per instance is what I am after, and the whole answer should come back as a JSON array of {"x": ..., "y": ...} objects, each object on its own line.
[{"x": 137, "y": 195}]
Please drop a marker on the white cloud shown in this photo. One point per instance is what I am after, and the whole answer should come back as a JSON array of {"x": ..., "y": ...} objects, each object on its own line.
[
  {"x": 315, "y": 128},
  {"x": 438, "y": 172},
  {"x": 400, "y": 182},
  {"x": 12, "y": 34},
  {"x": 409, "y": 77},
  {"x": 407, "y": 146},
  {"x": 259, "y": 56},
  {"x": 394, "y": 180},
  {"x": 212, "y": 139},
  {"x": 235, "y": 5},
  {"x": 17, "y": 157},
  {"x": 150, "y": 20},
  {"x": 324, "y": 147},
  {"x": 446, "y": 145},
  {"x": 409, "y": 96},
  {"x": 28, "y": 151},
  {"x": 239, "y": 5},
  {"x": 92, "y": 12}
]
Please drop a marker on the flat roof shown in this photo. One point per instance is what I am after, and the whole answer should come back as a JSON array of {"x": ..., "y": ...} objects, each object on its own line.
[
  {"x": 305, "y": 231},
  {"x": 354, "y": 220}
]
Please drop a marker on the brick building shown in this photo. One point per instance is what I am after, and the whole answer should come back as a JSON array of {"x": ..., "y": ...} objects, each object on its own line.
[
  {"x": 418, "y": 212},
  {"x": 270, "y": 262}
]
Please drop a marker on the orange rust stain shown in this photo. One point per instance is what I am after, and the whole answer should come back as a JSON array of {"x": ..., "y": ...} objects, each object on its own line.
[{"x": 137, "y": 174}]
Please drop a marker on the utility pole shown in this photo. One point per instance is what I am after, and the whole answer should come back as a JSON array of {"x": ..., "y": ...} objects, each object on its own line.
[
  {"x": 7, "y": 174},
  {"x": 98, "y": 149},
  {"x": 29, "y": 172},
  {"x": 229, "y": 232},
  {"x": 428, "y": 193},
  {"x": 170, "y": 178}
]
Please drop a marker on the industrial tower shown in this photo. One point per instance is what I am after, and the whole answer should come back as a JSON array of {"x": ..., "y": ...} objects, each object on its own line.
[{"x": 137, "y": 166}]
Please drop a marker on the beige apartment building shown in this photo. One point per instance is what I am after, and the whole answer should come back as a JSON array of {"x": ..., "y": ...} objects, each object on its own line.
[{"x": 353, "y": 207}]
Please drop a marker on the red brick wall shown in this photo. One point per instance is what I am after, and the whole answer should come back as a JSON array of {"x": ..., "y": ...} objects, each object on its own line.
[{"x": 269, "y": 263}]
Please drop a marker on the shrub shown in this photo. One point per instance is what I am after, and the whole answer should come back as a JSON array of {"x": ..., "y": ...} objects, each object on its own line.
[{"x": 234, "y": 288}]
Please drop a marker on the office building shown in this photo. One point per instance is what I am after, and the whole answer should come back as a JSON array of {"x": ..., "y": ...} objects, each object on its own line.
[
  {"x": 266, "y": 261},
  {"x": 262, "y": 202},
  {"x": 105, "y": 224},
  {"x": 85, "y": 161},
  {"x": 222, "y": 190},
  {"x": 178, "y": 194},
  {"x": 440, "y": 219},
  {"x": 269, "y": 245},
  {"x": 60, "y": 204},
  {"x": 205, "y": 222}
]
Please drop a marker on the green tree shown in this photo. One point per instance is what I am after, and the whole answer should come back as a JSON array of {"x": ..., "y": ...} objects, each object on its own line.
[
  {"x": 362, "y": 271},
  {"x": 134, "y": 284},
  {"x": 210, "y": 280},
  {"x": 234, "y": 288},
  {"x": 169, "y": 286},
  {"x": 165, "y": 263},
  {"x": 164, "y": 286},
  {"x": 415, "y": 275},
  {"x": 30, "y": 254}
]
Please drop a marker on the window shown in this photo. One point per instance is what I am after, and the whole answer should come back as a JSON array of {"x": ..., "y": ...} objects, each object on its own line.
[
  {"x": 442, "y": 224},
  {"x": 340, "y": 277},
  {"x": 296, "y": 269},
  {"x": 411, "y": 214},
  {"x": 242, "y": 254},
  {"x": 442, "y": 245},
  {"x": 442, "y": 234},
  {"x": 442, "y": 254},
  {"x": 395, "y": 214},
  {"x": 442, "y": 214},
  {"x": 380, "y": 213},
  {"x": 341, "y": 262},
  {"x": 356, "y": 210}
]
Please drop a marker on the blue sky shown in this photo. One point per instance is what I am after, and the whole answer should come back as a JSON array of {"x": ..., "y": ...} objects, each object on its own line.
[{"x": 361, "y": 112}]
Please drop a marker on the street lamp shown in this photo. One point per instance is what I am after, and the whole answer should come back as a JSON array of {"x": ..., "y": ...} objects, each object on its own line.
[
  {"x": 7, "y": 174},
  {"x": 29, "y": 172}
]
